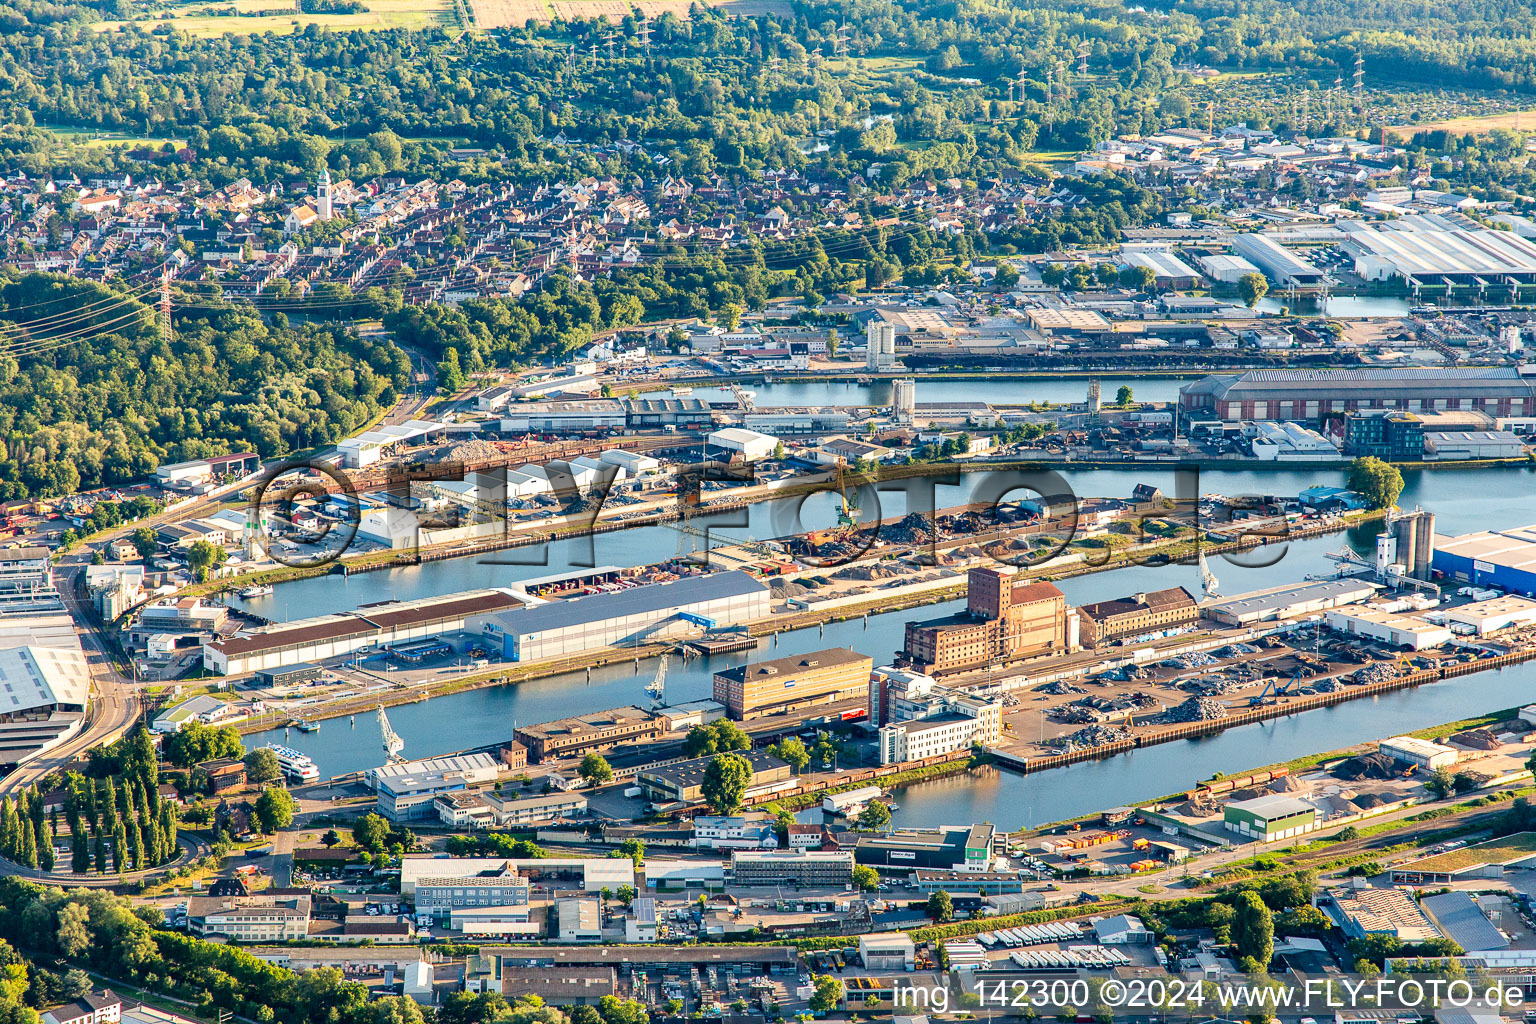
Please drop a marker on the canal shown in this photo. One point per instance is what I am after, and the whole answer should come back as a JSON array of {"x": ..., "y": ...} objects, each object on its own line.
[
  {"x": 1463, "y": 501},
  {"x": 485, "y": 716}
]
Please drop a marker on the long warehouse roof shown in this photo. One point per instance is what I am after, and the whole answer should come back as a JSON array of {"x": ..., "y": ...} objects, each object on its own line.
[
  {"x": 1512, "y": 549},
  {"x": 1455, "y": 381},
  {"x": 619, "y": 604},
  {"x": 1427, "y": 246}
]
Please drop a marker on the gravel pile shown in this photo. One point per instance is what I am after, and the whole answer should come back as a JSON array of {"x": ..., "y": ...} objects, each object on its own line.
[
  {"x": 1368, "y": 766},
  {"x": 866, "y": 572},
  {"x": 1197, "y": 709},
  {"x": 1477, "y": 739},
  {"x": 782, "y": 588}
]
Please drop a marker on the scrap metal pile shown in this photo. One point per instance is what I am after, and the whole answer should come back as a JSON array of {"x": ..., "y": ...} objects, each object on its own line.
[
  {"x": 1093, "y": 736},
  {"x": 1196, "y": 709}
]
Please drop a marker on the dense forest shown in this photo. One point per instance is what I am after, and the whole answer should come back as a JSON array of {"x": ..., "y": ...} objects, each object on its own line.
[
  {"x": 983, "y": 86},
  {"x": 96, "y": 396}
]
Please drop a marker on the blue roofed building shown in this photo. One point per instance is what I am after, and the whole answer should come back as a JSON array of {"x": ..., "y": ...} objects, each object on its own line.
[{"x": 1331, "y": 499}]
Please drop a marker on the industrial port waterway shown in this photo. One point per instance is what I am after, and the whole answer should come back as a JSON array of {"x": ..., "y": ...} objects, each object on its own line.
[{"x": 1463, "y": 500}]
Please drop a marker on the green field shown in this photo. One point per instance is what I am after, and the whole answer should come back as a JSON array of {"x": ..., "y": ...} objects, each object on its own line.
[{"x": 88, "y": 137}]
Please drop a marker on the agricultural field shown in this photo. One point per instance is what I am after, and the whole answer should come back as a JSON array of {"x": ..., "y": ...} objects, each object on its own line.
[
  {"x": 208, "y": 20},
  {"x": 1512, "y": 120},
  {"x": 516, "y": 13}
]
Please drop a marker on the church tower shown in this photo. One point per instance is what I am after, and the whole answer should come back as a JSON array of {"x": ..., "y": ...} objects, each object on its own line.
[{"x": 323, "y": 197}]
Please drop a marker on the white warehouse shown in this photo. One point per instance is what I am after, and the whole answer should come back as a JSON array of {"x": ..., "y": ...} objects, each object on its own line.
[
  {"x": 749, "y": 444},
  {"x": 1412, "y": 750},
  {"x": 633, "y": 616}
]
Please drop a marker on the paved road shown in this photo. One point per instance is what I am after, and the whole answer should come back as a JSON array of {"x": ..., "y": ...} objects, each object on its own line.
[{"x": 192, "y": 847}]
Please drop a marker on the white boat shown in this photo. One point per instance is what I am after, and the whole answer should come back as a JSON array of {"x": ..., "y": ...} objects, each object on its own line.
[
  {"x": 260, "y": 590},
  {"x": 296, "y": 766}
]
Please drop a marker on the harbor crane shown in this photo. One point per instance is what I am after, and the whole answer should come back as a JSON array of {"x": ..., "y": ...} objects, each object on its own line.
[
  {"x": 1275, "y": 690},
  {"x": 393, "y": 744},
  {"x": 1208, "y": 581},
  {"x": 658, "y": 687}
]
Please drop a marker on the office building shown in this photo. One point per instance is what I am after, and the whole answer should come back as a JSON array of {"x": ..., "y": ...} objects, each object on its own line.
[
  {"x": 636, "y": 615},
  {"x": 967, "y": 848},
  {"x": 1393, "y": 436},
  {"x": 781, "y": 685},
  {"x": 406, "y": 791},
  {"x": 1005, "y": 619},
  {"x": 640, "y": 925},
  {"x": 1152, "y": 612},
  {"x": 814, "y": 869},
  {"x": 437, "y": 896},
  {"x": 249, "y": 918},
  {"x": 918, "y": 718},
  {"x": 596, "y": 730},
  {"x": 734, "y": 832}
]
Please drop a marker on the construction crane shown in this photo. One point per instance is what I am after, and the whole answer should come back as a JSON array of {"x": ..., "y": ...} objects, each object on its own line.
[
  {"x": 658, "y": 687},
  {"x": 393, "y": 744},
  {"x": 1208, "y": 581}
]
